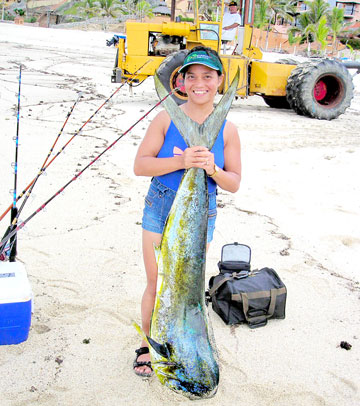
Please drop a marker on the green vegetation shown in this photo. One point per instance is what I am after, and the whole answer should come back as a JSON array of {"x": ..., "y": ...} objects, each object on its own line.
[
  {"x": 284, "y": 9},
  {"x": 30, "y": 20},
  {"x": 110, "y": 8},
  {"x": 20, "y": 12},
  {"x": 313, "y": 25},
  {"x": 352, "y": 43},
  {"x": 261, "y": 16},
  {"x": 139, "y": 8},
  {"x": 186, "y": 19},
  {"x": 8, "y": 17},
  {"x": 207, "y": 8},
  {"x": 336, "y": 24},
  {"x": 73, "y": 10},
  {"x": 320, "y": 32}
]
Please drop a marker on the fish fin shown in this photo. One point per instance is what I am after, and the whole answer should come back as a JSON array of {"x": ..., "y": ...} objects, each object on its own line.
[
  {"x": 192, "y": 132},
  {"x": 183, "y": 123},
  {"x": 212, "y": 125},
  {"x": 157, "y": 250},
  {"x": 140, "y": 331},
  {"x": 161, "y": 349}
]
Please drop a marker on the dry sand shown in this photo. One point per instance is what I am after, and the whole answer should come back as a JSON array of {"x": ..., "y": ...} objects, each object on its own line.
[{"x": 298, "y": 208}]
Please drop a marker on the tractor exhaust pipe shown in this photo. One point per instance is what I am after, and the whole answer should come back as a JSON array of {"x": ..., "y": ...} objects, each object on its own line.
[{"x": 353, "y": 65}]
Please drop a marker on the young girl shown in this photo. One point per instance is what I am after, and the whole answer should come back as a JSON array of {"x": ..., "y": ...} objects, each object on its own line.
[{"x": 164, "y": 155}]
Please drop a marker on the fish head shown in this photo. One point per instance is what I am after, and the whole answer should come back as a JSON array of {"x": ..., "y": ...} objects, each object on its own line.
[
  {"x": 184, "y": 381},
  {"x": 192, "y": 374}
]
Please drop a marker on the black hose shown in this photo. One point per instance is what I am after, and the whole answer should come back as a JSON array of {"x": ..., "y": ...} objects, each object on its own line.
[{"x": 217, "y": 34}]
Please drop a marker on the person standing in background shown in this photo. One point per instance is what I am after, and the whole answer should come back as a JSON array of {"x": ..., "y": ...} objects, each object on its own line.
[{"x": 231, "y": 21}]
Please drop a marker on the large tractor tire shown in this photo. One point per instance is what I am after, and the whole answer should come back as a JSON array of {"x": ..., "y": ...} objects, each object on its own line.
[
  {"x": 321, "y": 88},
  {"x": 280, "y": 102},
  {"x": 168, "y": 73},
  {"x": 277, "y": 102}
]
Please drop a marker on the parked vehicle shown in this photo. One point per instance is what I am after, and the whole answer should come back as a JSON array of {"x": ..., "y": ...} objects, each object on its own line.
[{"x": 319, "y": 88}]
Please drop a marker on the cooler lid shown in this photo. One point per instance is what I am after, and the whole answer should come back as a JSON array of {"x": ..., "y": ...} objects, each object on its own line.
[
  {"x": 14, "y": 284},
  {"x": 236, "y": 253}
]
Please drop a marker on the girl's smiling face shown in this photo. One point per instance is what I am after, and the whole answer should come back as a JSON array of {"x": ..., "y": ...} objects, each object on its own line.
[{"x": 201, "y": 83}]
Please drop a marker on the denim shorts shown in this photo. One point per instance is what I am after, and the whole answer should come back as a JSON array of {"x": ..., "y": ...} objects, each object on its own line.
[{"x": 158, "y": 203}]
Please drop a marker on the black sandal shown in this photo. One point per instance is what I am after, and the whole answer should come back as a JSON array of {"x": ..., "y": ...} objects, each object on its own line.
[{"x": 141, "y": 351}]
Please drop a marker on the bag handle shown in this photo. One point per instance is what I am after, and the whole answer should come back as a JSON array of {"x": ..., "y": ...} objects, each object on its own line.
[
  {"x": 253, "y": 317},
  {"x": 234, "y": 275},
  {"x": 217, "y": 285}
]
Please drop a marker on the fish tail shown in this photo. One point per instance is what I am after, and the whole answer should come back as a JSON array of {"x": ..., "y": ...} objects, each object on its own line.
[
  {"x": 212, "y": 125},
  {"x": 192, "y": 132},
  {"x": 157, "y": 251},
  {"x": 183, "y": 123}
]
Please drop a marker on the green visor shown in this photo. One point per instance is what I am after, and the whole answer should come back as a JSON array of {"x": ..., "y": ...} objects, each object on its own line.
[{"x": 202, "y": 58}]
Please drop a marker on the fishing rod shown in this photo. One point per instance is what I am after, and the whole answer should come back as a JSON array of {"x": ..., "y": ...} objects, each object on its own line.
[
  {"x": 128, "y": 81},
  {"x": 14, "y": 220},
  {"x": 23, "y": 223},
  {"x": 14, "y": 211},
  {"x": 46, "y": 159}
]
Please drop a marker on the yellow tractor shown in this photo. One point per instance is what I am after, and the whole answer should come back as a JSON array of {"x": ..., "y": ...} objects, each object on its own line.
[{"x": 319, "y": 88}]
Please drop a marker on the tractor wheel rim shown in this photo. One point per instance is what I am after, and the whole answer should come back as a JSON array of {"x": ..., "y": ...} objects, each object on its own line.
[
  {"x": 320, "y": 90},
  {"x": 329, "y": 91},
  {"x": 177, "y": 81}
]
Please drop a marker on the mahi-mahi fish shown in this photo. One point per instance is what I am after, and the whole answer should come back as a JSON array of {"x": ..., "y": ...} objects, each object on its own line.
[{"x": 182, "y": 348}]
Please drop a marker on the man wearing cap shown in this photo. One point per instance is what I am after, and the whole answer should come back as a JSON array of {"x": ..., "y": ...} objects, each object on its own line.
[{"x": 231, "y": 21}]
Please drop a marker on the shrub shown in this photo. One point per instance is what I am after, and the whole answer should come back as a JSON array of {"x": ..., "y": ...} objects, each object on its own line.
[
  {"x": 30, "y": 20},
  {"x": 185, "y": 19},
  {"x": 19, "y": 11},
  {"x": 353, "y": 42},
  {"x": 9, "y": 17}
]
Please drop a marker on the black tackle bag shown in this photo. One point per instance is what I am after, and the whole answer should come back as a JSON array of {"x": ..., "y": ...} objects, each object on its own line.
[{"x": 239, "y": 295}]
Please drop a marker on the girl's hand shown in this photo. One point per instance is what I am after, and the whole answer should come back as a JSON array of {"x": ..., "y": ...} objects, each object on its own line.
[{"x": 198, "y": 157}]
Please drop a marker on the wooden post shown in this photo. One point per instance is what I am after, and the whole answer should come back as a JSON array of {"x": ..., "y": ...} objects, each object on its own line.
[{"x": 172, "y": 17}]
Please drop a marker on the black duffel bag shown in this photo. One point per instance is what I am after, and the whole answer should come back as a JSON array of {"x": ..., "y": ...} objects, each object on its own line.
[{"x": 239, "y": 295}]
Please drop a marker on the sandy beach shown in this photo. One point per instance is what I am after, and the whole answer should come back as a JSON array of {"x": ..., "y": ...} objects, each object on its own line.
[{"x": 298, "y": 208}]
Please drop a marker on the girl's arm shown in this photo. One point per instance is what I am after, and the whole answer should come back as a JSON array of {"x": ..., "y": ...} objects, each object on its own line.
[
  {"x": 146, "y": 163},
  {"x": 229, "y": 177}
]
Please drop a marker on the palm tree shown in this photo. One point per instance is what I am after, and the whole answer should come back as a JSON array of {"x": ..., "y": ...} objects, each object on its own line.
[
  {"x": 320, "y": 31},
  {"x": 89, "y": 7},
  {"x": 261, "y": 18},
  {"x": 144, "y": 9},
  {"x": 293, "y": 39},
  {"x": 128, "y": 7},
  {"x": 309, "y": 28},
  {"x": 337, "y": 25},
  {"x": 139, "y": 8},
  {"x": 207, "y": 8},
  {"x": 299, "y": 33},
  {"x": 109, "y": 8},
  {"x": 317, "y": 8},
  {"x": 279, "y": 8}
]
